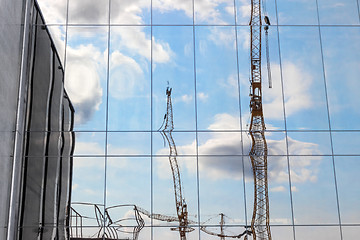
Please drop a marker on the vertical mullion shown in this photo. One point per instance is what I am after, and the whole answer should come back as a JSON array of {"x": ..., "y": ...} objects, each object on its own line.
[
  {"x": 329, "y": 121},
  {"x": 358, "y": 9},
  {"x": 240, "y": 112},
  {"x": 151, "y": 123},
  {"x": 196, "y": 120},
  {"x": 285, "y": 124},
  {"x": 107, "y": 114}
]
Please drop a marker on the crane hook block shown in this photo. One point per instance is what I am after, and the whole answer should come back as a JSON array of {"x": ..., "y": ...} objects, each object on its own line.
[{"x": 267, "y": 20}]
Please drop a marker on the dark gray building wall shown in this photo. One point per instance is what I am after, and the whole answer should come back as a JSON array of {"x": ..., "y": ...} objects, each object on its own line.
[
  {"x": 11, "y": 19},
  {"x": 48, "y": 113},
  {"x": 48, "y": 141}
]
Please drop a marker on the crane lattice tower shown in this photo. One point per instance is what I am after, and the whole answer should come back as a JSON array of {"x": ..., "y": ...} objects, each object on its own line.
[
  {"x": 181, "y": 206},
  {"x": 258, "y": 153}
]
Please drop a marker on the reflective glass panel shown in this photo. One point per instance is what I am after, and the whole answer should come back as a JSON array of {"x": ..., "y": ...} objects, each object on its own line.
[
  {"x": 321, "y": 233},
  {"x": 309, "y": 143},
  {"x": 129, "y": 84},
  {"x": 297, "y": 12},
  {"x": 173, "y": 66},
  {"x": 303, "y": 79},
  {"x": 86, "y": 75},
  {"x": 216, "y": 78},
  {"x": 88, "y": 12},
  {"x": 87, "y": 197},
  {"x": 130, "y": 12},
  {"x": 172, "y": 12},
  {"x": 341, "y": 60},
  {"x": 221, "y": 190},
  {"x": 279, "y": 191},
  {"x": 128, "y": 143},
  {"x": 346, "y": 143},
  {"x": 350, "y": 232},
  {"x": 333, "y": 12},
  {"x": 313, "y": 190},
  {"x": 185, "y": 143},
  {"x": 54, "y": 11},
  {"x": 163, "y": 188},
  {"x": 214, "y": 12},
  {"x": 89, "y": 144},
  {"x": 282, "y": 233},
  {"x": 348, "y": 184},
  {"x": 220, "y": 143}
]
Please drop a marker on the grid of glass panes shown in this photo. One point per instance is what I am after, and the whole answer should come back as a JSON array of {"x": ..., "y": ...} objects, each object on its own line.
[{"x": 120, "y": 56}]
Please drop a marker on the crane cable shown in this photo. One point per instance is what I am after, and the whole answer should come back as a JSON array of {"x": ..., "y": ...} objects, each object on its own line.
[
  {"x": 267, "y": 22},
  {"x": 268, "y": 54}
]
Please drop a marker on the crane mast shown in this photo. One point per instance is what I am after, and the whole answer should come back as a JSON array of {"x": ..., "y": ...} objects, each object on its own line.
[
  {"x": 258, "y": 153},
  {"x": 181, "y": 207}
]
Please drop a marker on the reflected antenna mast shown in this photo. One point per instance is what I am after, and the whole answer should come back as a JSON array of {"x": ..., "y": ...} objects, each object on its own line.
[{"x": 258, "y": 154}]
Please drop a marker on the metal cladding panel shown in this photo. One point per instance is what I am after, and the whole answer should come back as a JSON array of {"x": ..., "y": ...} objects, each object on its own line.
[
  {"x": 65, "y": 170},
  {"x": 36, "y": 141},
  {"x": 53, "y": 151}
]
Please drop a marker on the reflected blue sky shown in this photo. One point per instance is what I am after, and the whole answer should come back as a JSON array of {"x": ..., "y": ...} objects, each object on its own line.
[{"x": 196, "y": 48}]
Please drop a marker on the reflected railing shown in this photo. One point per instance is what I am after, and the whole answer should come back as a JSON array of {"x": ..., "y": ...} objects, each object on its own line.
[{"x": 105, "y": 225}]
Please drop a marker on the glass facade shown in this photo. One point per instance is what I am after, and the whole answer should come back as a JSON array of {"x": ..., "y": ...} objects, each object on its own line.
[{"x": 120, "y": 56}]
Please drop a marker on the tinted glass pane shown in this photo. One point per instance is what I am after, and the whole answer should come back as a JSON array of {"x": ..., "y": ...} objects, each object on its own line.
[
  {"x": 297, "y": 12},
  {"x": 314, "y": 195},
  {"x": 54, "y": 11},
  {"x": 348, "y": 188},
  {"x": 174, "y": 68},
  {"x": 88, "y": 12},
  {"x": 341, "y": 59},
  {"x": 172, "y": 12},
  {"x": 128, "y": 143},
  {"x": 221, "y": 190},
  {"x": 216, "y": 78},
  {"x": 304, "y": 89},
  {"x": 317, "y": 232},
  {"x": 129, "y": 83},
  {"x": 88, "y": 181},
  {"x": 346, "y": 143},
  {"x": 163, "y": 187},
  {"x": 335, "y": 12},
  {"x": 86, "y": 77},
  {"x": 130, "y": 12},
  {"x": 214, "y": 12},
  {"x": 89, "y": 144}
]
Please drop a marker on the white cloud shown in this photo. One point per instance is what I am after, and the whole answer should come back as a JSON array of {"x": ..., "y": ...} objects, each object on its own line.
[
  {"x": 278, "y": 189},
  {"x": 294, "y": 189},
  {"x": 88, "y": 148},
  {"x": 89, "y": 11},
  {"x": 297, "y": 86},
  {"x": 281, "y": 221},
  {"x": 186, "y": 98},
  {"x": 244, "y": 9},
  {"x": 82, "y": 80},
  {"x": 244, "y": 38},
  {"x": 223, "y": 37},
  {"x": 224, "y": 122},
  {"x": 54, "y": 11},
  {"x": 136, "y": 41},
  {"x": 202, "y": 96},
  {"x": 127, "y": 76},
  {"x": 231, "y": 167},
  {"x": 129, "y": 12},
  {"x": 114, "y": 150}
]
